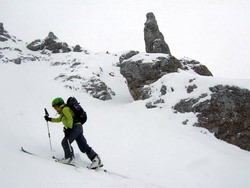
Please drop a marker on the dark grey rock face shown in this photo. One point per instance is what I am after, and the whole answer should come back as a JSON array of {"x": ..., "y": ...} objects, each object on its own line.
[
  {"x": 77, "y": 48},
  {"x": 154, "y": 39},
  {"x": 227, "y": 114},
  {"x": 127, "y": 55},
  {"x": 1, "y": 28},
  {"x": 36, "y": 45},
  {"x": 139, "y": 74},
  {"x": 195, "y": 66},
  {"x": 4, "y": 36},
  {"x": 98, "y": 89},
  {"x": 52, "y": 44}
]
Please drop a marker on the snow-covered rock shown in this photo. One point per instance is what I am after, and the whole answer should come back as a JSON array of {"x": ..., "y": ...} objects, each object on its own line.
[
  {"x": 53, "y": 44},
  {"x": 143, "y": 69},
  {"x": 222, "y": 109},
  {"x": 226, "y": 113}
]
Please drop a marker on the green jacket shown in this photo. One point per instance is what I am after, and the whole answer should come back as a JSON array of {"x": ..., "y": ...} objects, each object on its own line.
[{"x": 66, "y": 116}]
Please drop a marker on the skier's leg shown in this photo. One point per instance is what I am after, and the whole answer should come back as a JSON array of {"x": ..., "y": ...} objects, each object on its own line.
[
  {"x": 84, "y": 147},
  {"x": 66, "y": 142},
  {"x": 68, "y": 149}
]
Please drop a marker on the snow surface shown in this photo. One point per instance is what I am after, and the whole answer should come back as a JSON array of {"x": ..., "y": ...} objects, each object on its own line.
[{"x": 151, "y": 147}]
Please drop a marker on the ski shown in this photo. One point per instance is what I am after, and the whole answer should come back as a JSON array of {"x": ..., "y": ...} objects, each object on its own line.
[
  {"x": 57, "y": 160},
  {"x": 25, "y": 151},
  {"x": 97, "y": 169},
  {"x": 108, "y": 172},
  {"x": 111, "y": 173}
]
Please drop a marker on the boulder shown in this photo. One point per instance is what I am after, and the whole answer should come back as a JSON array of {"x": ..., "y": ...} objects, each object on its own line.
[
  {"x": 36, "y": 45},
  {"x": 77, "y": 48},
  {"x": 154, "y": 39},
  {"x": 53, "y": 44},
  {"x": 190, "y": 64},
  {"x": 127, "y": 55}
]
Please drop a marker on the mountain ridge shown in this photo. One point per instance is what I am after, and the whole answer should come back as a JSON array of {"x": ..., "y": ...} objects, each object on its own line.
[{"x": 145, "y": 75}]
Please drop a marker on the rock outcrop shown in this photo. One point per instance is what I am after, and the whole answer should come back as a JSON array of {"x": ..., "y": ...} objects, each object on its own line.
[
  {"x": 11, "y": 49},
  {"x": 127, "y": 55},
  {"x": 53, "y": 44},
  {"x": 140, "y": 72},
  {"x": 154, "y": 39},
  {"x": 50, "y": 43},
  {"x": 98, "y": 89},
  {"x": 4, "y": 36},
  {"x": 227, "y": 114},
  {"x": 91, "y": 82},
  {"x": 196, "y": 66}
]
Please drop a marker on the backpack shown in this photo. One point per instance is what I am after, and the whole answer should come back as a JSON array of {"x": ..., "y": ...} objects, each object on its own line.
[{"x": 80, "y": 114}]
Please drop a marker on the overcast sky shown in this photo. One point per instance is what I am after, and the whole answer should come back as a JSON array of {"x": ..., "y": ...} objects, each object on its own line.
[{"x": 214, "y": 32}]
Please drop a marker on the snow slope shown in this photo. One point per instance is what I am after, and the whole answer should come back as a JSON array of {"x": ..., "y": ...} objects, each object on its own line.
[{"x": 149, "y": 146}]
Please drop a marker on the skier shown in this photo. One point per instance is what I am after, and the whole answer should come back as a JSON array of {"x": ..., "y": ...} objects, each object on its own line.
[{"x": 73, "y": 131}]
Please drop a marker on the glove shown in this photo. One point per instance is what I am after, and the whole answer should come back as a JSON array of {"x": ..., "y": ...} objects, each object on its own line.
[
  {"x": 66, "y": 131},
  {"x": 47, "y": 118}
]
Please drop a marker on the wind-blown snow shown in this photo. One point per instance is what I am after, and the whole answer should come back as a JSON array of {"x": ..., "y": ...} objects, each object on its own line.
[{"x": 150, "y": 146}]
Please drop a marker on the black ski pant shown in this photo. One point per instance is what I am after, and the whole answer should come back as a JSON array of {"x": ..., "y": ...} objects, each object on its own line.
[{"x": 76, "y": 134}]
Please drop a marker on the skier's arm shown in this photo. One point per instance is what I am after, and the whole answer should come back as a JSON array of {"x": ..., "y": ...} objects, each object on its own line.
[{"x": 57, "y": 120}]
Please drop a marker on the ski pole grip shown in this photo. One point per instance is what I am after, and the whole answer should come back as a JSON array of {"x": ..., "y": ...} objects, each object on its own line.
[{"x": 46, "y": 112}]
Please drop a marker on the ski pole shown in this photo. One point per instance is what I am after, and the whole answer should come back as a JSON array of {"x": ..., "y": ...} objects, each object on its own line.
[
  {"x": 47, "y": 114},
  {"x": 70, "y": 149}
]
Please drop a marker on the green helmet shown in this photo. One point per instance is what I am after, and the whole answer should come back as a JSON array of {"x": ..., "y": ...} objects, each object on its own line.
[{"x": 58, "y": 100}]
